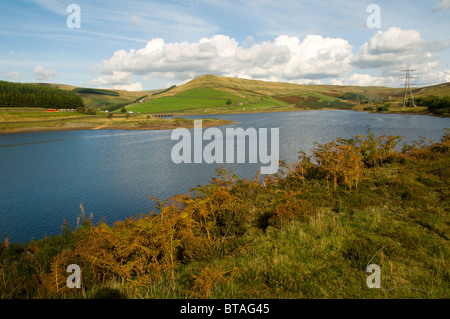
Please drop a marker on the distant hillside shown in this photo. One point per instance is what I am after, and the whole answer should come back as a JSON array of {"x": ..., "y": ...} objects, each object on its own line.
[
  {"x": 101, "y": 99},
  {"x": 265, "y": 88},
  {"x": 211, "y": 93},
  {"x": 437, "y": 90},
  {"x": 217, "y": 94}
]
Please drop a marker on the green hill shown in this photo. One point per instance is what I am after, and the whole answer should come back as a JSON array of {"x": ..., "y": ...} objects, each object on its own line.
[
  {"x": 437, "y": 90},
  {"x": 217, "y": 94},
  {"x": 209, "y": 94}
]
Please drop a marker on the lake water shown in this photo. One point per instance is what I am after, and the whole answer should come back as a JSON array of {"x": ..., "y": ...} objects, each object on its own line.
[{"x": 45, "y": 176}]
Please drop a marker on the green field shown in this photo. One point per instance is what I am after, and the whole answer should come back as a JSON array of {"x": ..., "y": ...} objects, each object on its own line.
[
  {"x": 207, "y": 94},
  {"x": 201, "y": 99},
  {"x": 175, "y": 104}
]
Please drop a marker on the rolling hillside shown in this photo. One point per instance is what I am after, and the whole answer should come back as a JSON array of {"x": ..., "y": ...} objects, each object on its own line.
[
  {"x": 218, "y": 94},
  {"x": 437, "y": 90},
  {"x": 102, "y": 101},
  {"x": 210, "y": 93}
]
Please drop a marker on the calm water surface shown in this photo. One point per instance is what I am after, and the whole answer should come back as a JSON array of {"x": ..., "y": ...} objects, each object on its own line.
[{"x": 45, "y": 176}]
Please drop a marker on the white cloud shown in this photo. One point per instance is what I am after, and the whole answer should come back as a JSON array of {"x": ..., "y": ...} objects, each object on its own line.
[
  {"x": 40, "y": 74},
  {"x": 435, "y": 77},
  {"x": 135, "y": 19},
  {"x": 11, "y": 75},
  {"x": 443, "y": 5},
  {"x": 118, "y": 81},
  {"x": 14, "y": 75},
  {"x": 129, "y": 87},
  {"x": 362, "y": 79},
  {"x": 444, "y": 75},
  {"x": 248, "y": 40},
  {"x": 365, "y": 80},
  {"x": 312, "y": 60},
  {"x": 390, "y": 51},
  {"x": 284, "y": 59},
  {"x": 115, "y": 78}
]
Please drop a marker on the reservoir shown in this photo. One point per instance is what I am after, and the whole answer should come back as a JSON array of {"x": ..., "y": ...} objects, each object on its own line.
[{"x": 44, "y": 176}]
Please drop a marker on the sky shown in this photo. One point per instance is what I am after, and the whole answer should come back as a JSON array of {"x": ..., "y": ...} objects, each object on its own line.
[{"x": 143, "y": 45}]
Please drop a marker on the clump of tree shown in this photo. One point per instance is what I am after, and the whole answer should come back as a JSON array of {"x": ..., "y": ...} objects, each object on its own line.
[
  {"x": 335, "y": 104},
  {"x": 436, "y": 105},
  {"x": 139, "y": 98},
  {"x": 95, "y": 91},
  {"x": 34, "y": 95},
  {"x": 165, "y": 90},
  {"x": 86, "y": 110},
  {"x": 350, "y": 96},
  {"x": 116, "y": 107},
  {"x": 363, "y": 98},
  {"x": 383, "y": 108},
  {"x": 356, "y": 97}
]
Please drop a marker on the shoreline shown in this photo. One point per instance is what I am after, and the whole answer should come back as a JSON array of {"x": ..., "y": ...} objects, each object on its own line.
[
  {"x": 187, "y": 123},
  {"x": 290, "y": 108},
  {"x": 134, "y": 125}
]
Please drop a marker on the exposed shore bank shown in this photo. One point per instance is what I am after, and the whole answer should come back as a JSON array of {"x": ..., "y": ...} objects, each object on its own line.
[{"x": 137, "y": 123}]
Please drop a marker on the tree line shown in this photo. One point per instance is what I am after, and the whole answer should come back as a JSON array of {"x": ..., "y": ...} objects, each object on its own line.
[
  {"x": 436, "y": 105},
  {"x": 35, "y": 95},
  {"x": 122, "y": 106},
  {"x": 164, "y": 91},
  {"x": 95, "y": 91}
]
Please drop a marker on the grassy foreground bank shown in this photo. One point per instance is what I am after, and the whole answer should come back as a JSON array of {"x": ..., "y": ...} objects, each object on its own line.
[{"x": 308, "y": 232}]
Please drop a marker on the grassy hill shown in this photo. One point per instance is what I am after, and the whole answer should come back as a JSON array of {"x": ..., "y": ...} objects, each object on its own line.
[
  {"x": 210, "y": 93},
  {"x": 217, "y": 94},
  {"x": 244, "y": 87},
  {"x": 437, "y": 90}
]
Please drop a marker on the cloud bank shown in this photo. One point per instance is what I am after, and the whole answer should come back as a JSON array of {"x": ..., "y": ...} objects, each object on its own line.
[
  {"x": 43, "y": 75},
  {"x": 286, "y": 58},
  {"x": 443, "y": 5}
]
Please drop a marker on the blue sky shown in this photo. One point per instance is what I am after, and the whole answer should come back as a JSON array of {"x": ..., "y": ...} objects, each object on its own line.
[{"x": 139, "y": 45}]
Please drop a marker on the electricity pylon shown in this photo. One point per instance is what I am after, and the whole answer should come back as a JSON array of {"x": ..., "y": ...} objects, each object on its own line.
[{"x": 407, "y": 85}]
